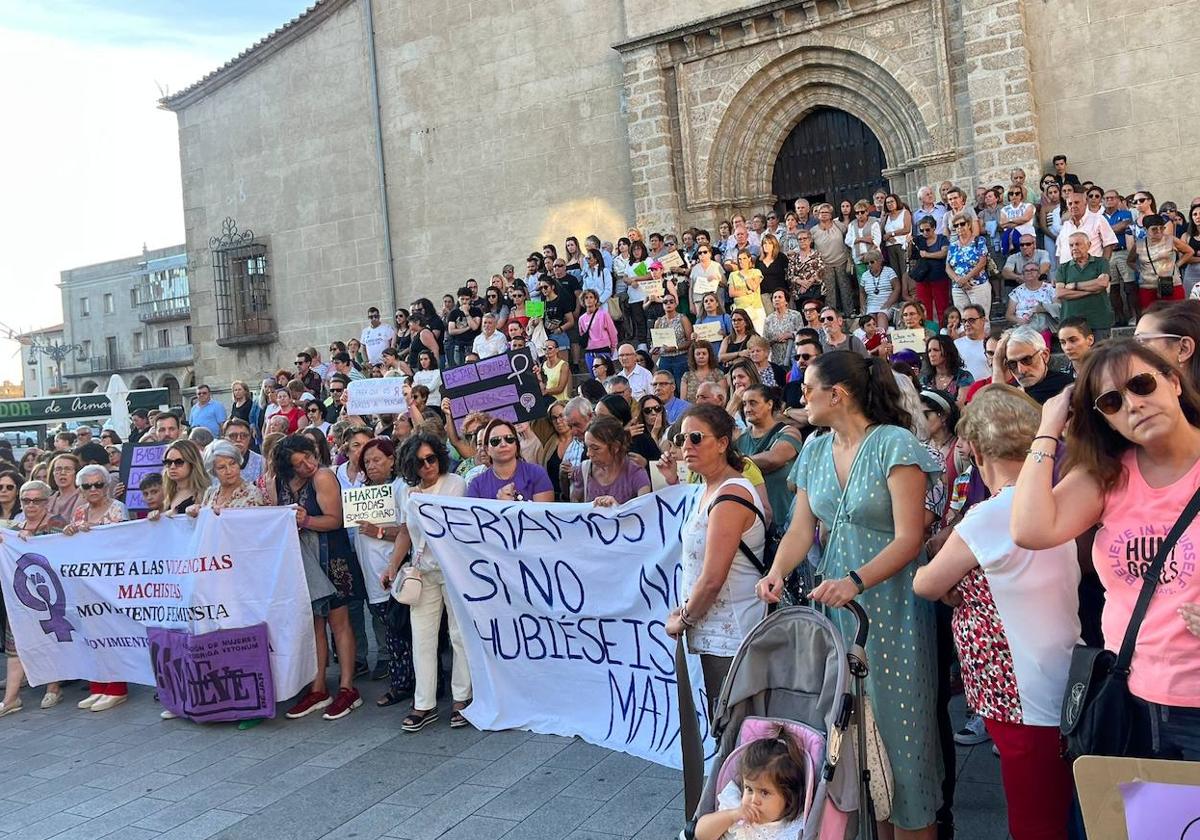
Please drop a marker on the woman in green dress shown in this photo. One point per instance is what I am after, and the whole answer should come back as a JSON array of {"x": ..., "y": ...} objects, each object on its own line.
[{"x": 864, "y": 484}]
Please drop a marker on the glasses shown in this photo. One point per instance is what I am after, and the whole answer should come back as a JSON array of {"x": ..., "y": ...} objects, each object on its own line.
[
  {"x": 828, "y": 319},
  {"x": 1021, "y": 361},
  {"x": 958, "y": 225},
  {"x": 427, "y": 461},
  {"x": 652, "y": 409},
  {"x": 1144, "y": 338},
  {"x": 1013, "y": 193},
  {"x": 1139, "y": 199},
  {"x": 556, "y": 417},
  {"x": 499, "y": 439},
  {"x": 336, "y": 390},
  {"x": 94, "y": 485},
  {"x": 694, "y": 438},
  {"x": 805, "y": 357},
  {"x": 28, "y": 502},
  {"x": 237, "y": 435},
  {"x": 972, "y": 320},
  {"x": 1142, "y": 385},
  {"x": 810, "y": 310},
  {"x": 1023, "y": 244},
  {"x": 173, "y": 462},
  {"x": 704, "y": 251}
]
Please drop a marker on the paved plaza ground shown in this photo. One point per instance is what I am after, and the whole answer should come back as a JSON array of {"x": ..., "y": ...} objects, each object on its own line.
[{"x": 127, "y": 774}]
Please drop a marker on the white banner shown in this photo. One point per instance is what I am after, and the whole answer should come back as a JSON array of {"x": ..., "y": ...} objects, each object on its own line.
[
  {"x": 562, "y": 609},
  {"x": 377, "y": 396},
  {"x": 79, "y": 606}
]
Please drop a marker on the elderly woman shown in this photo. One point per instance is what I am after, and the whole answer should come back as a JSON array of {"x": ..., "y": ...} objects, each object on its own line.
[
  {"x": 99, "y": 508},
  {"x": 878, "y": 289},
  {"x": 34, "y": 520},
  {"x": 1015, "y": 620},
  {"x": 509, "y": 478},
  {"x": 424, "y": 468},
  {"x": 66, "y": 496},
  {"x": 780, "y": 328},
  {"x": 374, "y": 544},
  {"x": 1132, "y": 466},
  {"x": 223, "y": 461},
  {"x": 608, "y": 477},
  {"x": 1033, "y": 302},
  {"x": 966, "y": 265},
  {"x": 718, "y": 607}
]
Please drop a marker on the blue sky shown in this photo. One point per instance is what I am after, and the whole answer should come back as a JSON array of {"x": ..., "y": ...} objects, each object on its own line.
[{"x": 97, "y": 162}]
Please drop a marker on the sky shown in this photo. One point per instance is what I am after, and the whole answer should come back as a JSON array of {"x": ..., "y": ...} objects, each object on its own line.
[{"x": 90, "y": 163}]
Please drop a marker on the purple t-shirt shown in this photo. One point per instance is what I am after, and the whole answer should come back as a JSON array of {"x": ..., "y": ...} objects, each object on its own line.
[
  {"x": 529, "y": 479},
  {"x": 624, "y": 487}
]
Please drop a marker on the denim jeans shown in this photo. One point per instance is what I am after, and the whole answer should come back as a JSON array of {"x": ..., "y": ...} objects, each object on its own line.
[
  {"x": 1175, "y": 731},
  {"x": 676, "y": 365}
]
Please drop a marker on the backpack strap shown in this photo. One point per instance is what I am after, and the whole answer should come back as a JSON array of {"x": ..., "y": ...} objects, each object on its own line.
[{"x": 745, "y": 549}]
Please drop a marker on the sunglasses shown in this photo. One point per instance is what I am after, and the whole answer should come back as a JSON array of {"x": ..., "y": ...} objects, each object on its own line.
[
  {"x": 99, "y": 485},
  {"x": 1140, "y": 199},
  {"x": 652, "y": 409},
  {"x": 33, "y": 501},
  {"x": 1023, "y": 244},
  {"x": 1142, "y": 385},
  {"x": 173, "y": 462},
  {"x": 828, "y": 319},
  {"x": 694, "y": 438},
  {"x": 337, "y": 390},
  {"x": 1023, "y": 361},
  {"x": 958, "y": 225},
  {"x": 804, "y": 357},
  {"x": 1013, "y": 193},
  {"x": 428, "y": 460},
  {"x": 499, "y": 439}
]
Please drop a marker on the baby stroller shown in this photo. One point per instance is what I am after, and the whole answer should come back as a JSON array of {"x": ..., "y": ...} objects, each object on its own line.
[{"x": 794, "y": 669}]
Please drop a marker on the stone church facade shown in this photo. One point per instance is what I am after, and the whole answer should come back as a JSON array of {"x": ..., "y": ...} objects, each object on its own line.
[{"x": 383, "y": 151}]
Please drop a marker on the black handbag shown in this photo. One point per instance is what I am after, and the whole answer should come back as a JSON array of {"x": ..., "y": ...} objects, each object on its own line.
[{"x": 1099, "y": 714}]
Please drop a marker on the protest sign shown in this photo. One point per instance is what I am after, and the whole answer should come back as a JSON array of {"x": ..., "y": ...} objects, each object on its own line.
[
  {"x": 704, "y": 285},
  {"x": 671, "y": 259},
  {"x": 710, "y": 332},
  {"x": 376, "y": 396},
  {"x": 535, "y": 308},
  {"x": 375, "y": 504},
  {"x": 503, "y": 386},
  {"x": 218, "y": 676},
  {"x": 1116, "y": 807},
  {"x": 1155, "y": 811},
  {"x": 908, "y": 340},
  {"x": 551, "y": 596},
  {"x": 139, "y": 460},
  {"x": 81, "y": 606},
  {"x": 663, "y": 337},
  {"x": 654, "y": 289}
]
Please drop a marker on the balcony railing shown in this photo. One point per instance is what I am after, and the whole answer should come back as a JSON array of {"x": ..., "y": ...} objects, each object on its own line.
[
  {"x": 164, "y": 309},
  {"x": 104, "y": 364},
  {"x": 155, "y": 356}
]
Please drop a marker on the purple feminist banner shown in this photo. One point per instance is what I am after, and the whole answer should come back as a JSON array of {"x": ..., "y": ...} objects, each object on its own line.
[
  {"x": 504, "y": 386},
  {"x": 218, "y": 676}
]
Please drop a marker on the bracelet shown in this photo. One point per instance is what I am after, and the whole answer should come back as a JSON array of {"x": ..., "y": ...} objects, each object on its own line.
[
  {"x": 858, "y": 581},
  {"x": 1040, "y": 455},
  {"x": 1048, "y": 437},
  {"x": 683, "y": 617}
]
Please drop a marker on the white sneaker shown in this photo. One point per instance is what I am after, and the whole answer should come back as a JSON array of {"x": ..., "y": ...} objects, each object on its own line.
[
  {"x": 167, "y": 714},
  {"x": 973, "y": 732},
  {"x": 108, "y": 701},
  {"x": 86, "y": 702}
]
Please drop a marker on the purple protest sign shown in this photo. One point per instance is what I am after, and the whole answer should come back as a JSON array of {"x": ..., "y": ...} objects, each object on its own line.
[
  {"x": 1157, "y": 811},
  {"x": 218, "y": 676},
  {"x": 504, "y": 386},
  {"x": 137, "y": 461}
]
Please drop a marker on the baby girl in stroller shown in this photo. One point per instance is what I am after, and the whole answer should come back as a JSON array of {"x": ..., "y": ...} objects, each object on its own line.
[{"x": 766, "y": 799}]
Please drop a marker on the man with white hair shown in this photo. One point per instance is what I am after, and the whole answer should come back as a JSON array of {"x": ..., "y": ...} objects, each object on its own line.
[
  {"x": 804, "y": 214},
  {"x": 1022, "y": 355},
  {"x": 489, "y": 342},
  {"x": 928, "y": 206},
  {"x": 1081, "y": 286},
  {"x": 1101, "y": 239},
  {"x": 640, "y": 380}
]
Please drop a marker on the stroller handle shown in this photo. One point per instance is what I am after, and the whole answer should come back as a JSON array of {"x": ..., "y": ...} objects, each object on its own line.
[{"x": 864, "y": 624}]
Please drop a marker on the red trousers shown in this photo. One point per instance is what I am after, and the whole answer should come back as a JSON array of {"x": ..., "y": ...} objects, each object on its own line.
[
  {"x": 935, "y": 297},
  {"x": 1148, "y": 296},
  {"x": 115, "y": 689},
  {"x": 1036, "y": 777}
]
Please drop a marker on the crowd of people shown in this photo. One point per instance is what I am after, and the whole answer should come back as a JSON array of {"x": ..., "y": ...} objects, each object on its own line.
[{"x": 874, "y": 386}]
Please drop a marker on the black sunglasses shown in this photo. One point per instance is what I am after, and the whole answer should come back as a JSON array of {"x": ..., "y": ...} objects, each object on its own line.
[
  {"x": 1023, "y": 361},
  {"x": 652, "y": 409},
  {"x": 1142, "y": 385},
  {"x": 428, "y": 460},
  {"x": 173, "y": 462},
  {"x": 804, "y": 357},
  {"x": 496, "y": 441},
  {"x": 98, "y": 485}
]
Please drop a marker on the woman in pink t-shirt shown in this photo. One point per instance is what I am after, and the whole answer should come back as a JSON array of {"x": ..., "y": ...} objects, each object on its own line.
[{"x": 1133, "y": 463}]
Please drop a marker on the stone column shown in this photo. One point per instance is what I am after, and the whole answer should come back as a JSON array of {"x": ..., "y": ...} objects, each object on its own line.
[
  {"x": 1000, "y": 91},
  {"x": 651, "y": 153}
]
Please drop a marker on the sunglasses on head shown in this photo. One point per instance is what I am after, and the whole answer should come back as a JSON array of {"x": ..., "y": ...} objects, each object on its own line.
[
  {"x": 499, "y": 439},
  {"x": 694, "y": 438},
  {"x": 1141, "y": 385},
  {"x": 97, "y": 485}
]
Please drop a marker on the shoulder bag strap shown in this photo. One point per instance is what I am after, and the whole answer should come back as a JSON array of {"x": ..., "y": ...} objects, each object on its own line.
[
  {"x": 584, "y": 469},
  {"x": 1149, "y": 258},
  {"x": 745, "y": 549},
  {"x": 1150, "y": 583}
]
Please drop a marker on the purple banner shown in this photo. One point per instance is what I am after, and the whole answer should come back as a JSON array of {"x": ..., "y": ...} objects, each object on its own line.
[
  {"x": 218, "y": 676},
  {"x": 504, "y": 386}
]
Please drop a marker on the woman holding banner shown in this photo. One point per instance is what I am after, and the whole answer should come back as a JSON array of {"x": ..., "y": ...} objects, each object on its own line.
[
  {"x": 509, "y": 478},
  {"x": 66, "y": 495},
  {"x": 34, "y": 520},
  {"x": 374, "y": 544},
  {"x": 609, "y": 477},
  {"x": 184, "y": 479},
  {"x": 223, "y": 461},
  {"x": 720, "y": 606},
  {"x": 425, "y": 468}
]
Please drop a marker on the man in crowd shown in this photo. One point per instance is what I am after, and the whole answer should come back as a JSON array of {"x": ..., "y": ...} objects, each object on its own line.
[
  {"x": 835, "y": 335},
  {"x": 957, "y": 199},
  {"x": 618, "y": 386},
  {"x": 1022, "y": 352},
  {"x": 1028, "y": 252},
  {"x": 1061, "y": 174},
  {"x": 927, "y": 206},
  {"x": 237, "y": 432},
  {"x": 1082, "y": 286},
  {"x": 971, "y": 346},
  {"x": 305, "y": 373},
  {"x": 83, "y": 436},
  {"x": 638, "y": 377},
  {"x": 375, "y": 336},
  {"x": 804, "y": 214},
  {"x": 167, "y": 428},
  {"x": 462, "y": 327},
  {"x": 341, "y": 364},
  {"x": 207, "y": 413},
  {"x": 489, "y": 342},
  {"x": 664, "y": 389},
  {"x": 1123, "y": 288},
  {"x": 807, "y": 350},
  {"x": 1077, "y": 341},
  {"x": 333, "y": 405},
  {"x": 1101, "y": 238}
]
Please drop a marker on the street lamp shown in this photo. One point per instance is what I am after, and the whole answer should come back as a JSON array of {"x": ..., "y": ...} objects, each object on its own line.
[{"x": 58, "y": 352}]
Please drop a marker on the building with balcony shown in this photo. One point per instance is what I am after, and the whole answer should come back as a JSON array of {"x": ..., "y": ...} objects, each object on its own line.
[
  {"x": 42, "y": 372},
  {"x": 132, "y": 317}
]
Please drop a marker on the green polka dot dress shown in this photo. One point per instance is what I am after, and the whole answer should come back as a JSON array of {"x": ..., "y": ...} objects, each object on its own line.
[{"x": 901, "y": 652}]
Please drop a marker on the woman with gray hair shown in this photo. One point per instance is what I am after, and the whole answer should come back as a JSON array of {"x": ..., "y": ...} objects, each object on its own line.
[{"x": 223, "y": 462}]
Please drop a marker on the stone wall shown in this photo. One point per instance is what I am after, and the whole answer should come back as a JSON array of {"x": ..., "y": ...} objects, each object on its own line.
[
  {"x": 1115, "y": 89},
  {"x": 504, "y": 130},
  {"x": 287, "y": 150}
]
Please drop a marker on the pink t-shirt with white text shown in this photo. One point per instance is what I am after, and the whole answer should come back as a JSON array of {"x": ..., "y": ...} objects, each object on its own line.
[{"x": 1136, "y": 519}]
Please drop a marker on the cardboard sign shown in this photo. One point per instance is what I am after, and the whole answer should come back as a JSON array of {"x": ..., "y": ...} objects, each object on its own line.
[
  {"x": 139, "y": 460},
  {"x": 218, "y": 676},
  {"x": 502, "y": 386},
  {"x": 1155, "y": 810},
  {"x": 908, "y": 340},
  {"x": 654, "y": 289},
  {"x": 1123, "y": 798},
  {"x": 377, "y": 396},
  {"x": 375, "y": 504},
  {"x": 672, "y": 260},
  {"x": 663, "y": 337},
  {"x": 704, "y": 285},
  {"x": 710, "y": 332},
  {"x": 535, "y": 308}
]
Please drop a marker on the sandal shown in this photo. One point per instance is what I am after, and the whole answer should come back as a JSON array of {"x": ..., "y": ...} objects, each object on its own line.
[
  {"x": 391, "y": 698},
  {"x": 417, "y": 720},
  {"x": 457, "y": 719}
]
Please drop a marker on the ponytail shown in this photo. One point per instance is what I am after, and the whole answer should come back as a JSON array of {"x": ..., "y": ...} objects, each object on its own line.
[{"x": 870, "y": 382}]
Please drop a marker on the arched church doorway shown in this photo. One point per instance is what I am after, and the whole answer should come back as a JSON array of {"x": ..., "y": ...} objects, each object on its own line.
[{"x": 829, "y": 156}]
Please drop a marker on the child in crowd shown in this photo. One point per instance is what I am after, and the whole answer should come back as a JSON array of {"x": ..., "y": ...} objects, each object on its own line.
[{"x": 768, "y": 804}]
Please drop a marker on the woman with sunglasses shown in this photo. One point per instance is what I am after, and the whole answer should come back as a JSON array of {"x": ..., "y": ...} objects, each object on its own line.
[
  {"x": 966, "y": 265},
  {"x": 10, "y": 499},
  {"x": 1172, "y": 330},
  {"x": 1132, "y": 465},
  {"x": 1157, "y": 257},
  {"x": 603, "y": 368},
  {"x": 314, "y": 417},
  {"x": 517, "y": 297},
  {"x": 493, "y": 302},
  {"x": 184, "y": 479},
  {"x": 701, "y": 369},
  {"x": 99, "y": 508},
  {"x": 34, "y": 520},
  {"x": 863, "y": 485},
  {"x": 717, "y": 606},
  {"x": 608, "y": 477},
  {"x": 733, "y": 346},
  {"x": 556, "y": 446},
  {"x": 509, "y": 477},
  {"x": 653, "y": 414},
  {"x": 641, "y": 444}
]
